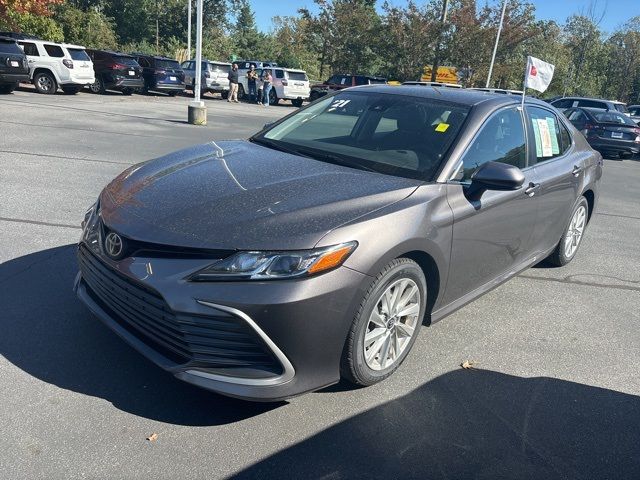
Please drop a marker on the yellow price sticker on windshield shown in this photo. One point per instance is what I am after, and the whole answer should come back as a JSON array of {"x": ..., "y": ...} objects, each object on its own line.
[{"x": 442, "y": 127}]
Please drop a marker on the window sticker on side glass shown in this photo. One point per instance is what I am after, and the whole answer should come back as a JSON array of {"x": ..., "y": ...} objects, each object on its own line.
[
  {"x": 555, "y": 148},
  {"x": 536, "y": 134},
  {"x": 545, "y": 137}
]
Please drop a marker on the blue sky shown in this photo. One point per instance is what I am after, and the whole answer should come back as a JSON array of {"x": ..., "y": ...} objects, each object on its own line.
[{"x": 616, "y": 11}]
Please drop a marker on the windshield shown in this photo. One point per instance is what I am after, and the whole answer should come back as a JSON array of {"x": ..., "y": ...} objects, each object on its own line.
[
  {"x": 611, "y": 117},
  {"x": 78, "y": 54},
  {"x": 124, "y": 60},
  {"x": 392, "y": 134}
]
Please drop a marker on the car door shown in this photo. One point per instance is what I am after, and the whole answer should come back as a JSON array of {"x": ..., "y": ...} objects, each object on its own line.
[
  {"x": 559, "y": 172},
  {"x": 491, "y": 234}
]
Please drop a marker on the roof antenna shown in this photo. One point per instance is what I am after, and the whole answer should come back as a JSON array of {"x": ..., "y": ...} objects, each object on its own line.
[{"x": 219, "y": 150}]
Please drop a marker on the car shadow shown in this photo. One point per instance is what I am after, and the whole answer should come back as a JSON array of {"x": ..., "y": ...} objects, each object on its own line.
[
  {"x": 50, "y": 335},
  {"x": 476, "y": 424}
]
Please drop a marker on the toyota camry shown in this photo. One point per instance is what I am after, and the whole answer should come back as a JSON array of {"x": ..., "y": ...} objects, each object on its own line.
[{"x": 318, "y": 248}]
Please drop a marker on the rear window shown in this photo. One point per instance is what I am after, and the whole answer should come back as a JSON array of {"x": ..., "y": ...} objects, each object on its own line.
[
  {"x": 54, "y": 50},
  {"x": 78, "y": 54},
  {"x": 589, "y": 104},
  {"x": 9, "y": 47},
  {"x": 621, "y": 108},
  {"x": 216, "y": 67},
  {"x": 300, "y": 76},
  {"x": 613, "y": 117},
  {"x": 123, "y": 60},
  {"x": 167, "y": 64}
]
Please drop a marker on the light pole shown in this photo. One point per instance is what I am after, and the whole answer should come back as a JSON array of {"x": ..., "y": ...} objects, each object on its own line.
[
  {"x": 189, "y": 30},
  {"x": 197, "y": 108},
  {"x": 495, "y": 47}
]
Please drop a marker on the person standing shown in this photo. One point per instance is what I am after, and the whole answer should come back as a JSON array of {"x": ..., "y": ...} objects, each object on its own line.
[
  {"x": 267, "y": 80},
  {"x": 252, "y": 79},
  {"x": 233, "y": 83}
]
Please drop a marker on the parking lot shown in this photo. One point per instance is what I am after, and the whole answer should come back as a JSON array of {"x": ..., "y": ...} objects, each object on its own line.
[{"x": 554, "y": 392}]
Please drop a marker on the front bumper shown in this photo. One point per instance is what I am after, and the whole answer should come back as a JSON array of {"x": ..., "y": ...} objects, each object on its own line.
[{"x": 302, "y": 324}]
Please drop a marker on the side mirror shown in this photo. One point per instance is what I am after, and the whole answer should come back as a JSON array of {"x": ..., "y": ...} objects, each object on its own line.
[
  {"x": 496, "y": 176},
  {"x": 267, "y": 125}
]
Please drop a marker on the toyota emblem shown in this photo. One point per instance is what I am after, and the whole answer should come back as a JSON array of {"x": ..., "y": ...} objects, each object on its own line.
[{"x": 113, "y": 245}]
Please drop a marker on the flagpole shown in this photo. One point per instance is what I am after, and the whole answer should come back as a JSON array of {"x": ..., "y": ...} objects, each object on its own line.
[
  {"x": 524, "y": 83},
  {"x": 495, "y": 47}
]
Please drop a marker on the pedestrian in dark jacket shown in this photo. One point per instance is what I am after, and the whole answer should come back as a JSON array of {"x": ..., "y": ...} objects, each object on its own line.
[
  {"x": 233, "y": 84},
  {"x": 252, "y": 79}
]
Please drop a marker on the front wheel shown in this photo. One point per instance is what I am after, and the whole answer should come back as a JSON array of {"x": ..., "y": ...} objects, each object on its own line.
[
  {"x": 273, "y": 97},
  {"x": 71, "y": 90},
  {"x": 241, "y": 93},
  {"x": 387, "y": 323},
  {"x": 98, "y": 86},
  {"x": 224, "y": 94},
  {"x": 572, "y": 235},
  {"x": 127, "y": 91}
]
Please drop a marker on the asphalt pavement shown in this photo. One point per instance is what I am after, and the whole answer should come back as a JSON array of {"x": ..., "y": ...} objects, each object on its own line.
[{"x": 554, "y": 392}]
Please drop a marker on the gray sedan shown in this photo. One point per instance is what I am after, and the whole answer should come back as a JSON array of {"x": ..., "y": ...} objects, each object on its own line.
[{"x": 318, "y": 248}]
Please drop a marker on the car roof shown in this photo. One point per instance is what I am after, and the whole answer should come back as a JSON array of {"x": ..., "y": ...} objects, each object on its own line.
[
  {"x": 110, "y": 52},
  {"x": 591, "y": 98},
  {"x": 454, "y": 95}
]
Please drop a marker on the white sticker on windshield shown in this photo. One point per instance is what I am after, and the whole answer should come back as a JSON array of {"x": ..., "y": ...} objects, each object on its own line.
[{"x": 337, "y": 104}]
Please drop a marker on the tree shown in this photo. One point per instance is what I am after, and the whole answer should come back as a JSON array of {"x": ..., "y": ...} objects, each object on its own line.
[
  {"x": 89, "y": 28},
  {"x": 29, "y": 15},
  {"x": 248, "y": 40}
]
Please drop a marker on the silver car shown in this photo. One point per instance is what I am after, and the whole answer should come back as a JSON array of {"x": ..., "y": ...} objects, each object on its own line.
[{"x": 214, "y": 76}]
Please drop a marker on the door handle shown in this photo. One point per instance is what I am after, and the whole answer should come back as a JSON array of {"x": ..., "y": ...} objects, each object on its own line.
[
  {"x": 532, "y": 189},
  {"x": 576, "y": 171}
]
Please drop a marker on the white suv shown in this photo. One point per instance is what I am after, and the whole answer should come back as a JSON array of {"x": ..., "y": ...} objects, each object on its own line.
[
  {"x": 288, "y": 84},
  {"x": 53, "y": 65}
]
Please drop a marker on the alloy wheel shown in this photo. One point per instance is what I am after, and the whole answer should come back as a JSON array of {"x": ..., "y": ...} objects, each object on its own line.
[
  {"x": 392, "y": 324},
  {"x": 575, "y": 231},
  {"x": 44, "y": 83}
]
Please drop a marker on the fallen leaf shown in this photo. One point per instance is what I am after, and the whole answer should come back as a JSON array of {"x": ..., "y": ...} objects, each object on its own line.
[
  {"x": 153, "y": 437},
  {"x": 468, "y": 364}
]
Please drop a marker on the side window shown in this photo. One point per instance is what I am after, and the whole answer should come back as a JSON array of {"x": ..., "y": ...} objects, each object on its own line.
[
  {"x": 562, "y": 103},
  {"x": 333, "y": 80},
  {"x": 53, "y": 50},
  {"x": 548, "y": 134},
  {"x": 30, "y": 49},
  {"x": 360, "y": 80},
  {"x": 501, "y": 139},
  {"x": 592, "y": 104},
  {"x": 279, "y": 74},
  {"x": 143, "y": 62}
]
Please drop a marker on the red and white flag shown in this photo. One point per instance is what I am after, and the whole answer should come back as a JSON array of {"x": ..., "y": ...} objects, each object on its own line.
[{"x": 538, "y": 75}]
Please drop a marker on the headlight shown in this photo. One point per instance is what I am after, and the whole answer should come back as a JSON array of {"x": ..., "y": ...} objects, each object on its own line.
[
  {"x": 89, "y": 214},
  {"x": 276, "y": 265}
]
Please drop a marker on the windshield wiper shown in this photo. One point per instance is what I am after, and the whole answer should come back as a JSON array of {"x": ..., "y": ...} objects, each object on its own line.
[
  {"x": 276, "y": 146},
  {"x": 328, "y": 157}
]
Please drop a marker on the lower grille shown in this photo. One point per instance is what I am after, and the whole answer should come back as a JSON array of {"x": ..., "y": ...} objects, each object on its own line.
[{"x": 221, "y": 343}]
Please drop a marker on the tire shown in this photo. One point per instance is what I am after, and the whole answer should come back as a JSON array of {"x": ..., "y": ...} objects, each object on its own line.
[
  {"x": 273, "y": 97},
  {"x": 45, "y": 83},
  {"x": 172, "y": 93},
  {"x": 98, "y": 86},
  {"x": 355, "y": 367},
  {"x": 563, "y": 254},
  {"x": 224, "y": 94},
  {"x": 314, "y": 96},
  {"x": 71, "y": 90},
  {"x": 297, "y": 102},
  {"x": 127, "y": 91},
  {"x": 7, "y": 88},
  {"x": 242, "y": 96}
]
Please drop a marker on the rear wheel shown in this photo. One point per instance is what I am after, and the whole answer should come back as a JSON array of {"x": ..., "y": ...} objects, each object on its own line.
[
  {"x": 71, "y": 90},
  {"x": 127, "y": 91},
  {"x": 98, "y": 86},
  {"x": 8, "y": 88},
  {"x": 297, "y": 102},
  {"x": 224, "y": 94},
  {"x": 387, "y": 323},
  {"x": 273, "y": 97},
  {"x": 572, "y": 236},
  {"x": 45, "y": 83},
  {"x": 241, "y": 93}
]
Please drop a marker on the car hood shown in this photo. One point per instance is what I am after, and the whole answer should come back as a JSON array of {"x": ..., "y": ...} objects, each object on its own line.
[{"x": 252, "y": 197}]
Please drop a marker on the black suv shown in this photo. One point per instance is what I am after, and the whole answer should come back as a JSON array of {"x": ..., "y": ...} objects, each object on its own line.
[
  {"x": 115, "y": 71},
  {"x": 161, "y": 74},
  {"x": 13, "y": 65}
]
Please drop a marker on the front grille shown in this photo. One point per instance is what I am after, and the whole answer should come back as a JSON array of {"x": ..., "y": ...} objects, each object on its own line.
[{"x": 221, "y": 343}]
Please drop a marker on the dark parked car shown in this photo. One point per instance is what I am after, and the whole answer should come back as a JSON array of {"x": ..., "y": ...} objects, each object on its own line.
[
  {"x": 161, "y": 74},
  {"x": 19, "y": 36},
  {"x": 340, "y": 82},
  {"x": 609, "y": 132},
  {"x": 115, "y": 71},
  {"x": 634, "y": 112},
  {"x": 270, "y": 267},
  {"x": 575, "y": 102},
  {"x": 13, "y": 65}
]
